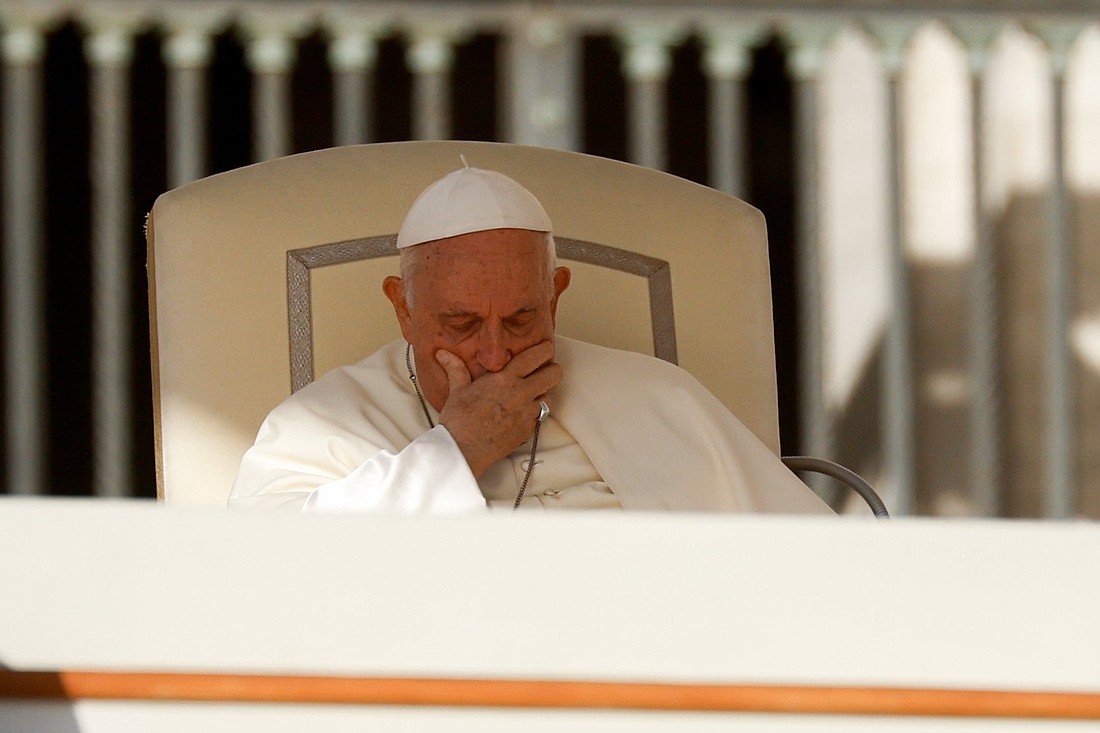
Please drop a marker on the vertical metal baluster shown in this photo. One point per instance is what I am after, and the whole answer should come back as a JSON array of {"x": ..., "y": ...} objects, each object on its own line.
[
  {"x": 24, "y": 273},
  {"x": 985, "y": 444},
  {"x": 897, "y": 403},
  {"x": 430, "y": 56},
  {"x": 726, "y": 61},
  {"x": 646, "y": 64},
  {"x": 270, "y": 58},
  {"x": 270, "y": 37},
  {"x": 109, "y": 48},
  {"x": 1060, "y": 500},
  {"x": 351, "y": 56},
  {"x": 352, "y": 53},
  {"x": 809, "y": 43},
  {"x": 187, "y": 52},
  {"x": 542, "y": 75}
]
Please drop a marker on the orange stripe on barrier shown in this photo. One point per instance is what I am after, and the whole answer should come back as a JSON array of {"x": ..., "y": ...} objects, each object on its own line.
[{"x": 82, "y": 685}]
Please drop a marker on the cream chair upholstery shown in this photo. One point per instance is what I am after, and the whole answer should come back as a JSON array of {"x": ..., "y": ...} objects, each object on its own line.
[{"x": 263, "y": 277}]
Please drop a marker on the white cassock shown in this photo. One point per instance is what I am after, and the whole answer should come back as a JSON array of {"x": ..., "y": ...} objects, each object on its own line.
[{"x": 627, "y": 431}]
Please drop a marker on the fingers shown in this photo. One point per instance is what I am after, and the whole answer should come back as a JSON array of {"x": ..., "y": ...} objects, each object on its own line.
[
  {"x": 535, "y": 368},
  {"x": 489, "y": 417},
  {"x": 528, "y": 376},
  {"x": 531, "y": 358},
  {"x": 542, "y": 380},
  {"x": 538, "y": 371},
  {"x": 458, "y": 375}
]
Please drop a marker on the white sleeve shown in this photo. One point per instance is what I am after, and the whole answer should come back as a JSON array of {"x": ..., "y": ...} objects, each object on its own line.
[{"x": 429, "y": 476}]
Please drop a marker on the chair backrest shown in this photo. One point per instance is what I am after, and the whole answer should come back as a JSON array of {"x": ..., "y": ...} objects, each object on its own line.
[{"x": 263, "y": 277}]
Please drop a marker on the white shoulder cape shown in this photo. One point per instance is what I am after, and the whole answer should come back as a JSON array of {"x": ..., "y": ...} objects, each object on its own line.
[
  {"x": 662, "y": 441},
  {"x": 658, "y": 438}
]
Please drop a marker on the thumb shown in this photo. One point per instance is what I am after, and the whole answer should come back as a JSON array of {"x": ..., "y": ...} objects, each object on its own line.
[{"x": 457, "y": 373}]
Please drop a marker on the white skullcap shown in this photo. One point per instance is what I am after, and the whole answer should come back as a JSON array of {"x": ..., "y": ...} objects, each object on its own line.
[{"x": 471, "y": 200}]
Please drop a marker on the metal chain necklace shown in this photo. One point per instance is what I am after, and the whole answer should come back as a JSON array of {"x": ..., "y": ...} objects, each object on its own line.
[{"x": 431, "y": 424}]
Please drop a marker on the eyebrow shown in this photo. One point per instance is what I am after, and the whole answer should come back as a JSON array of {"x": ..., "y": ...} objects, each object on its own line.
[{"x": 468, "y": 314}]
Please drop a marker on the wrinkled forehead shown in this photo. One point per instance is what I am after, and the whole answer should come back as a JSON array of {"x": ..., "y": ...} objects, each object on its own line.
[{"x": 494, "y": 261}]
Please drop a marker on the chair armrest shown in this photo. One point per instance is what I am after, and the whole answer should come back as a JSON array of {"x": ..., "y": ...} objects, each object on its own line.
[{"x": 842, "y": 474}]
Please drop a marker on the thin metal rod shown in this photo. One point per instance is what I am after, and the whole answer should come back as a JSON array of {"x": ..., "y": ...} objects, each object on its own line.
[
  {"x": 432, "y": 105},
  {"x": 1060, "y": 499},
  {"x": 816, "y": 432},
  {"x": 271, "y": 115},
  {"x": 985, "y": 449},
  {"x": 351, "y": 56},
  {"x": 430, "y": 58},
  {"x": 647, "y": 123},
  {"x": 727, "y": 134},
  {"x": 352, "y": 94},
  {"x": 24, "y": 345},
  {"x": 186, "y": 125},
  {"x": 898, "y": 409},
  {"x": 111, "y": 278}
]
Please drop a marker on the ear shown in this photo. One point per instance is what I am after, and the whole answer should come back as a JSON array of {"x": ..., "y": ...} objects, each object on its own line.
[
  {"x": 394, "y": 288},
  {"x": 562, "y": 277}
]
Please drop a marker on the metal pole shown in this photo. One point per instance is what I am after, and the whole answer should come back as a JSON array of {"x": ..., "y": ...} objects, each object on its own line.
[
  {"x": 541, "y": 62},
  {"x": 187, "y": 55},
  {"x": 1060, "y": 468},
  {"x": 726, "y": 62},
  {"x": 898, "y": 362},
  {"x": 270, "y": 31},
  {"x": 270, "y": 57},
  {"x": 985, "y": 447},
  {"x": 24, "y": 344},
  {"x": 726, "y": 131},
  {"x": 898, "y": 402},
  {"x": 1060, "y": 500},
  {"x": 430, "y": 57},
  {"x": 109, "y": 53},
  {"x": 353, "y": 31},
  {"x": 646, "y": 64},
  {"x": 351, "y": 57},
  {"x": 806, "y": 60}
]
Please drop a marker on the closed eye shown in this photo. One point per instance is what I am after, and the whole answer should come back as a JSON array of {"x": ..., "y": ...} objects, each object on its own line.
[
  {"x": 464, "y": 325},
  {"x": 520, "y": 321}
]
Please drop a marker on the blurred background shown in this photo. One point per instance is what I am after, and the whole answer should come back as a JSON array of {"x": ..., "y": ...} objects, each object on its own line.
[{"x": 930, "y": 173}]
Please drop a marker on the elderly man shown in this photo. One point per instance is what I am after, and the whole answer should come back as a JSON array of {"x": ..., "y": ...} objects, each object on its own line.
[{"x": 482, "y": 405}]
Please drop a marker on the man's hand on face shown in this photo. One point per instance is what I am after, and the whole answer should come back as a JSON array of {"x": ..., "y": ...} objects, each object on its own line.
[{"x": 489, "y": 417}]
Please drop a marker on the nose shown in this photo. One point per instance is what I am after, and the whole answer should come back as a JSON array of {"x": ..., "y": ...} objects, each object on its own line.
[{"x": 492, "y": 351}]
